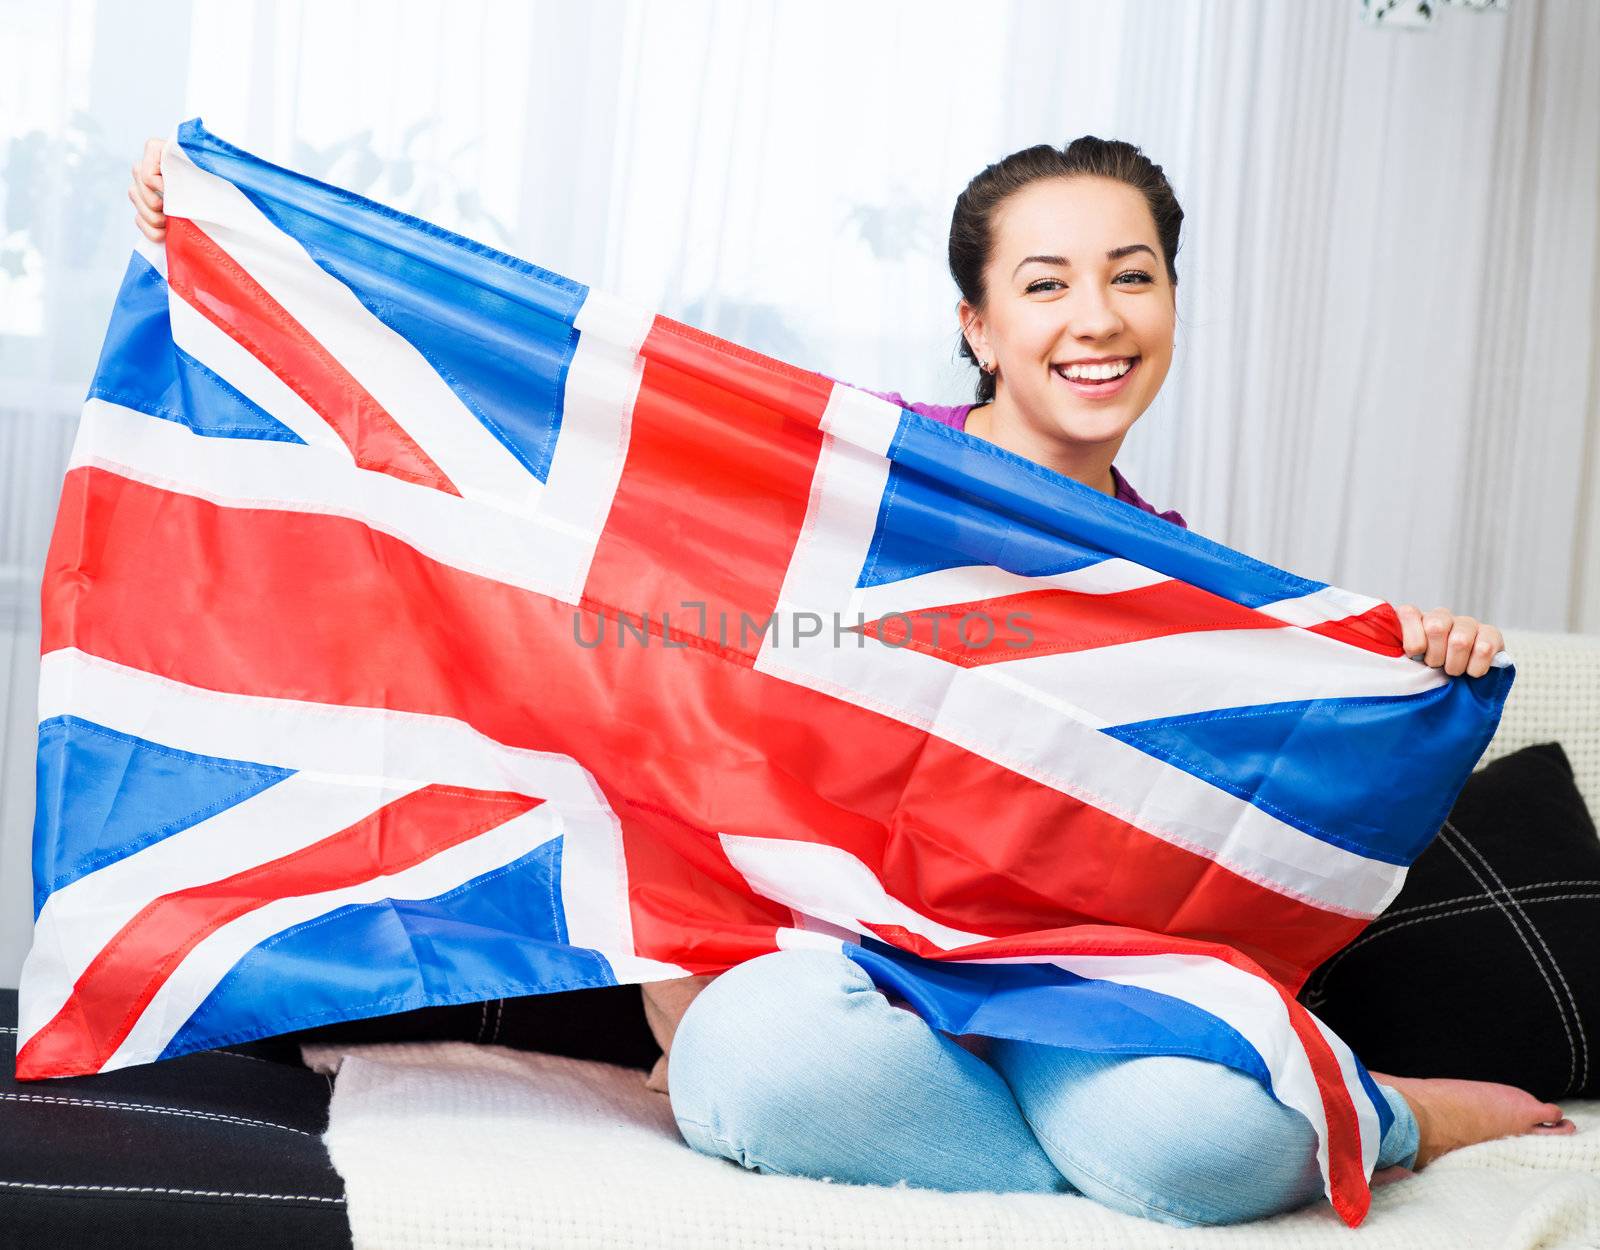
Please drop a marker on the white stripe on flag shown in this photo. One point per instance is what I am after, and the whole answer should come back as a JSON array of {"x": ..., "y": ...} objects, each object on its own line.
[
  {"x": 218, "y": 351},
  {"x": 155, "y": 253},
  {"x": 1366, "y": 1112},
  {"x": 253, "y": 473},
  {"x": 1320, "y": 606},
  {"x": 859, "y": 419},
  {"x": 830, "y": 884},
  {"x": 596, "y": 418},
  {"x": 594, "y": 888},
  {"x": 391, "y": 369},
  {"x": 353, "y": 742},
  {"x": 810, "y": 933},
  {"x": 985, "y": 581},
  {"x": 1215, "y": 669}
]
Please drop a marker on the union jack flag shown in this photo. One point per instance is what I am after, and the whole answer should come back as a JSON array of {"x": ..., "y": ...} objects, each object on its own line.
[{"x": 423, "y": 627}]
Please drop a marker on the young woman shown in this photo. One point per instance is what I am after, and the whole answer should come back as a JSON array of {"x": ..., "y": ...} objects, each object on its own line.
[{"x": 794, "y": 1062}]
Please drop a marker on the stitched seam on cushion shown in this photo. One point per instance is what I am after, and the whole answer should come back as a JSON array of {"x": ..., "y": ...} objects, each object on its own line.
[
  {"x": 139, "y": 1106},
  {"x": 1572, "y": 1046},
  {"x": 1317, "y": 994},
  {"x": 157, "y": 1189},
  {"x": 1467, "y": 898},
  {"x": 1555, "y": 964},
  {"x": 233, "y": 1054}
]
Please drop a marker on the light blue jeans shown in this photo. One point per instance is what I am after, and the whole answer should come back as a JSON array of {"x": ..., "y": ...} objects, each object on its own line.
[{"x": 795, "y": 1063}]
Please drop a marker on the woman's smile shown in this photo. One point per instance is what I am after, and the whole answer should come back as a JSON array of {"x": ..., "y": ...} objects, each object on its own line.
[{"x": 1097, "y": 378}]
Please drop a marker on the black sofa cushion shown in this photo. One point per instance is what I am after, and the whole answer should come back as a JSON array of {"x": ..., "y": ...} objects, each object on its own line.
[
  {"x": 220, "y": 1148},
  {"x": 1487, "y": 964}
]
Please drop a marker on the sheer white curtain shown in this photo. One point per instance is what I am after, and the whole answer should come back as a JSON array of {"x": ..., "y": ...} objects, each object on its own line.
[{"x": 1387, "y": 367}]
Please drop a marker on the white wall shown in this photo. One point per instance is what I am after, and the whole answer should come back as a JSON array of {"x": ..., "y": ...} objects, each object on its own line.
[{"x": 1387, "y": 370}]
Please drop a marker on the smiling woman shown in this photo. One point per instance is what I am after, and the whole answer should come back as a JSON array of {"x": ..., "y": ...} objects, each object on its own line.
[
  {"x": 792, "y": 1061},
  {"x": 1065, "y": 262}
]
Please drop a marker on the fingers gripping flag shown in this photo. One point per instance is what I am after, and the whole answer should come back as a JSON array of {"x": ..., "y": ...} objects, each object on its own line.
[{"x": 424, "y": 627}]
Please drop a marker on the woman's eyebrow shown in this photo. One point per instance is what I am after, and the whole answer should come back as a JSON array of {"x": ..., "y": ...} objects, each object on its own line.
[{"x": 1116, "y": 253}]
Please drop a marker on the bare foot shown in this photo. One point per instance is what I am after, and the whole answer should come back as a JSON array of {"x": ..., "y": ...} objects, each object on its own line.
[{"x": 1452, "y": 1114}]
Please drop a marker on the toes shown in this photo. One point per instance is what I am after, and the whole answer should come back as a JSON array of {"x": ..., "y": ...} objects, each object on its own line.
[
  {"x": 1388, "y": 1176},
  {"x": 1556, "y": 1128}
]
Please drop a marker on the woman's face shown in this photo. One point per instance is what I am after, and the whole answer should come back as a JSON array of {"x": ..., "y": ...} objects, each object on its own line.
[{"x": 1076, "y": 290}]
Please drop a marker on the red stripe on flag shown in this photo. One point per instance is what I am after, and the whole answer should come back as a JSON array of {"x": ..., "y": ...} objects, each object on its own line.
[
  {"x": 1376, "y": 629},
  {"x": 721, "y": 453},
  {"x": 123, "y": 978},
  {"x": 1052, "y": 621},
  {"x": 685, "y": 744},
  {"x": 1097, "y": 869},
  {"x": 1347, "y": 1177},
  {"x": 216, "y": 285}
]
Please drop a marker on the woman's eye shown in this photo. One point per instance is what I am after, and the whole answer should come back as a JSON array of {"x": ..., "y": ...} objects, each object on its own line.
[{"x": 1138, "y": 277}]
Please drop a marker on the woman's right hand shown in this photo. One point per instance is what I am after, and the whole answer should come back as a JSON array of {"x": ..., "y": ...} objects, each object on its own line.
[{"x": 146, "y": 193}]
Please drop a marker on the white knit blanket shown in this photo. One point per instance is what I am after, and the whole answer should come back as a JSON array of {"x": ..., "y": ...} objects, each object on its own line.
[{"x": 446, "y": 1146}]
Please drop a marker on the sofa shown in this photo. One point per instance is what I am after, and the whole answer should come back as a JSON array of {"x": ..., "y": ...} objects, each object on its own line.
[{"x": 526, "y": 1122}]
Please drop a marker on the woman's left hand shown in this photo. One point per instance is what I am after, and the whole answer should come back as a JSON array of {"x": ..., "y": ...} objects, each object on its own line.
[{"x": 1459, "y": 643}]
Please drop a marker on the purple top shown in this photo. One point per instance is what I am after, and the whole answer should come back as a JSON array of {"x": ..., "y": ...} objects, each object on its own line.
[{"x": 955, "y": 416}]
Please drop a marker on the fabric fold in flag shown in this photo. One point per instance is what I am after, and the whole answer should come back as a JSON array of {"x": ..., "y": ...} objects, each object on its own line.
[{"x": 425, "y": 627}]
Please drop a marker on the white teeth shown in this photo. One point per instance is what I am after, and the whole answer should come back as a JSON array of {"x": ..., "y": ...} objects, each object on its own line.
[{"x": 1095, "y": 373}]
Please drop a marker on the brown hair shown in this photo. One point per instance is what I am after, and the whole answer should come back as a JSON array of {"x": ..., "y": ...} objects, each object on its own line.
[{"x": 971, "y": 225}]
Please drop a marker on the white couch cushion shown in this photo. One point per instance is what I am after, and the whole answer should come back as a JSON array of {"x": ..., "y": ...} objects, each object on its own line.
[
  {"x": 450, "y": 1146},
  {"x": 1555, "y": 697}
]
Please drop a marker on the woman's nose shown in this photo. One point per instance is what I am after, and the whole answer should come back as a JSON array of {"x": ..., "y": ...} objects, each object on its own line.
[{"x": 1091, "y": 315}]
